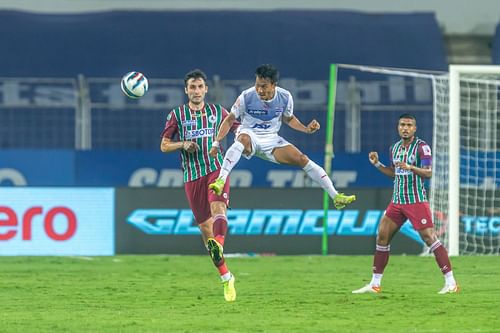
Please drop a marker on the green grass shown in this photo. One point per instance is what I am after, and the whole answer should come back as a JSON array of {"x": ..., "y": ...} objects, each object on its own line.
[{"x": 275, "y": 294}]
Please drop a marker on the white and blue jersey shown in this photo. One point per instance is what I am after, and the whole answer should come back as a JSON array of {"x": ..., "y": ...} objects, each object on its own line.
[{"x": 262, "y": 117}]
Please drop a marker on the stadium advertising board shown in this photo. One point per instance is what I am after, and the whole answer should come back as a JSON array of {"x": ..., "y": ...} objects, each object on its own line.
[
  {"x": 270, "y": 221},
  {"x": 65, "y": 221},
  {"x": 154, "y": 169},
  {"x": 17, "y": 167}
]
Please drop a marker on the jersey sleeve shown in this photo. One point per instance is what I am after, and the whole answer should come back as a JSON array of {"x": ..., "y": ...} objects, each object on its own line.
[
  {"x": 424, "y": 152},
  {"x": 238, "y": 107},
  {"x": 236, "y": 123},
  {"x": 171, "y": 127},
  {"x": 288, "y": 112}
]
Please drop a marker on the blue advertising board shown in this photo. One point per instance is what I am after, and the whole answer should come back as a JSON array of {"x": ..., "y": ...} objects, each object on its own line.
[
  {"x": 138, "y": 168},
  {"x": 268, "y": 222},
  {"x": 31, "y": 167},
  {"x": 155, "y": 169}
]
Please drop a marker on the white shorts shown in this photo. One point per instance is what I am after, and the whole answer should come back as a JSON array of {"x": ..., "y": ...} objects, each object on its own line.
[{"x": 263, "y": 145}]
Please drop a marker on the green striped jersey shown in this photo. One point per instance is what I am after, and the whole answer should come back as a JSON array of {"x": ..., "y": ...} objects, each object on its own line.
[
  {"x": 200, "y": 127},
  {"x": 408, "y": 186}
]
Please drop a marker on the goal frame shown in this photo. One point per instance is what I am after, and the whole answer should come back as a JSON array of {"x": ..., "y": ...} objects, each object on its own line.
[{"x": 455, "y": 72}]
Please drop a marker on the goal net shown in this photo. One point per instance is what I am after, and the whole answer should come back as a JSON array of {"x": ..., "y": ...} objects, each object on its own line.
[{"x": 463, "y": 112}]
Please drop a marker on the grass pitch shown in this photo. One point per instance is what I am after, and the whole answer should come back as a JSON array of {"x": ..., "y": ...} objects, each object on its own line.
[{"x": 275, "y": 294}]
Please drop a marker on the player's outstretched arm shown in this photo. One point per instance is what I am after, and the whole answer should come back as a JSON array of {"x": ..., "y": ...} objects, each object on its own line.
[
  {"x": 224, "y": 128},
  {"x": 168, "y": 146},
  {"x": 295, "y": 123},
  {"x": 388, "y": 171}
]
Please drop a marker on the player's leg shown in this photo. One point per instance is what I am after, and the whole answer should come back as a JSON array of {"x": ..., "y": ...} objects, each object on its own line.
[
  {"x": 206, "y": 230},
  {"x": 242, "y": 145},
  {"x": 218, "y": 208},
  {"x": 215, "y": 250},
  {"x": 291, "y": 155},
  {"x": 198, "y": 198},
  {"x": 196, "y": 194},
  {"x": 421, "y": 219},
  {"x": 389, "y": 225}
]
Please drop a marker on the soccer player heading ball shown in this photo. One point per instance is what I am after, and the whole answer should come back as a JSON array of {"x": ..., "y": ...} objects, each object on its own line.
[
  {"x": 261, "y": 110},
  {"x": 194, "y": 124},
  {"x": 411, "y": 162}
]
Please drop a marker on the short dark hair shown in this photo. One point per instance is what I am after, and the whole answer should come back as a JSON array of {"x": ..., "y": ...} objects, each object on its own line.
[
  {"x": 268, "y": 71},
  {"x": 195, "y": 74},
  {"x": 407, "y": 116}
]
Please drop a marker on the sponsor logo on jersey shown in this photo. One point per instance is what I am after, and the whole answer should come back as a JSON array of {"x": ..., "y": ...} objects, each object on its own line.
[
  {"x": 212, "y": 119},
  {"x": 261, "y": 126},
  {"x": 402, "y": 172},
  {"x": 200, "y": 133},
  {"x": 256, "y": 112},
  {"x": 189, "y": 122}
]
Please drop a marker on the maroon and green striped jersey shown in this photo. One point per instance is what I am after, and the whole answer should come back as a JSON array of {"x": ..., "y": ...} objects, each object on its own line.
[
  {"x": 201, "y": 127},
  {"x": 408, "y": 186}
]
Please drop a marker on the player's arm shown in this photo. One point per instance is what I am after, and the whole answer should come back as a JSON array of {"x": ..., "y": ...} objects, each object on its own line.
[
  {"x": 168, "y": 146},
  {"x": 386, "y": 170},
  {"x": 171, "y": 130},
  {"x": 424, "y": 171},
  {"x": 224, "y": 128},
  {"x": 295, "y": 123}
]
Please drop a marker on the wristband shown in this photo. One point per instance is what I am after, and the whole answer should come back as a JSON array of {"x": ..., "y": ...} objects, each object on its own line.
[
  {"x": 216, "y": 144},
  {"x": 378, "y": 165}
]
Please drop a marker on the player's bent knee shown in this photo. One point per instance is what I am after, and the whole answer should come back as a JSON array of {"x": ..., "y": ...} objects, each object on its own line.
[
  {"x": 303, "y": 160},
  {"x": 245, "y": 140},
  {"x": 218, "y": 208},
  {"x": 382, "y": 240}
]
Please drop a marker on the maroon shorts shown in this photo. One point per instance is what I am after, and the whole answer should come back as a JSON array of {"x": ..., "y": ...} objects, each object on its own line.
[
  {"x": 419, "y": 214},
  {"x": 200, "y": 197}
]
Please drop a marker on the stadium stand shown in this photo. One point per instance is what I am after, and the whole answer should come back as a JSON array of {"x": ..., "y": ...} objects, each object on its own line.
[{"x": 161, "y": 45}]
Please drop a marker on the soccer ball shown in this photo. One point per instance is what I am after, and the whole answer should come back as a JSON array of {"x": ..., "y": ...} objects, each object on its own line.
[{"x": 134, "y": 84}]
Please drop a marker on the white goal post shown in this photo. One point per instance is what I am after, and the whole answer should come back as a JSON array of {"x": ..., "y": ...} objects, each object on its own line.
[
  {"x": 481, "y": 77},
  {"x": 465, "y": 122}
]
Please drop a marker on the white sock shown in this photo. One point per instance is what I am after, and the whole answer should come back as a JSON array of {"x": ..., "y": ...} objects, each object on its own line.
[
  {"x": 232, "y": 157},
  {"x": 226, "y": 276},
  {"x": 450, "y": 279},
  {"x": 376, "y": 280},
  {"x": 318, "y": 174}
]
